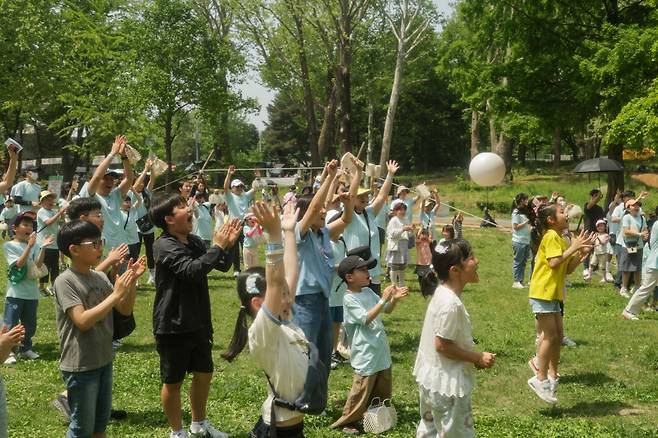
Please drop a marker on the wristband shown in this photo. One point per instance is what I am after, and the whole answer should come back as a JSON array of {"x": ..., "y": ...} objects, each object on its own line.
[
  {"x": 381, "y": 302},
  {"x": 273, "y": 252},
  {"x": 111, "y": 154},
  {"x": 273, "y": 246}
]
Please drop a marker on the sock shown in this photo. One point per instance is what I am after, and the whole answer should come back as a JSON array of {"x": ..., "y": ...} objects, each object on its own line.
[{"x": 198, "y": 426}]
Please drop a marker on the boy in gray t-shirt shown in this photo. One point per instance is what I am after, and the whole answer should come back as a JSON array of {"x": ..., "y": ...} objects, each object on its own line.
[{"x": 84, "y": 302}]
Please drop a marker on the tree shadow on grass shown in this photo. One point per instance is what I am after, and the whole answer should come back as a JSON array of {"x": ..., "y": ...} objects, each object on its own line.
[
  {"x": 589, "y": 379},
  {"x": 587, "y": 409},
  {"x": 401, "y": 342}
]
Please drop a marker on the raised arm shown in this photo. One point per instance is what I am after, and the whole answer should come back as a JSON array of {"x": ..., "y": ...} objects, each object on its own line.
[
  {"x": 337, "y": 227},
  {"x": 8, "y": 179},
  {"x": 380, "y": 200},
  {"x": 128, "y": 176},
  {"x": 317, "y": 204},
  {"x": 118, "y": 148},
  {"x": 142, "y": 176},
  {"x": 229, "y": 176}
]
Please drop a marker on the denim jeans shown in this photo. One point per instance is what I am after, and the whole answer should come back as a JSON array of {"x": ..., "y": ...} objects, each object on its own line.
[
  {"x": 311, "y": 314},
  {"x": 25, "y": 311},
  {"x": 521, "y": 255},
  {"x": 90, "y": 399}
]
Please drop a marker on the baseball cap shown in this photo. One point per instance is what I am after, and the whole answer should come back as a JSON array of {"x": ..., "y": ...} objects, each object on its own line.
[
  {"x": 352, "y": 263},
  {"x": 362, "y": 191},
  {"x": 112, "y": 172},
  {"x": 600, "y": 221},
  {"x": 25, "y": 215},
  {"x": 236, "y": 183},
  {"x": 397, "y": 203},
  {"x": 402, "y": 189}
]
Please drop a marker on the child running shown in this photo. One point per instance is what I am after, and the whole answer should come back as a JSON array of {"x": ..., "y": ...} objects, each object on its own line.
[
  {"x": 445, "y": 362},
  {"x": 555, "y": 260},
  {"x": 370, "y": 353}
]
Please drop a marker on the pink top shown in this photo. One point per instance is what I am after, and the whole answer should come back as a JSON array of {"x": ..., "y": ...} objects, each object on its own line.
[{"x": 423, "y": 253}]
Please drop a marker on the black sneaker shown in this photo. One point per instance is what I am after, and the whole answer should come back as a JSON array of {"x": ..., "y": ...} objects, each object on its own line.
[
  {"x": 118, "y": 414},
  {"x": 338, "y": 359}
]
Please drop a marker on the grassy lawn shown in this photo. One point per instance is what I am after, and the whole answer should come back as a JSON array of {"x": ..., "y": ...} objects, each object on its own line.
[{"x": 609, "y": 382}]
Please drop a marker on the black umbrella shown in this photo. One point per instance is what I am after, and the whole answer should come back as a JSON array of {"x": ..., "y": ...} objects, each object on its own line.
[{"x": 599, "y": 165}]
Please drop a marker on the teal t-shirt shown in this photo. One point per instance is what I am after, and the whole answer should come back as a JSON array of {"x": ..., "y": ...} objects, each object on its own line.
[
  {"x": 638, "y": 224},
  {"x": 113, "y": 232},
  {"x": 522, "y": 235},
  {"x": 202, "y": 225},
  {"x": 131, "y": 232},
  {"x": 26, "y": 289},
  {"x": 356, "y": 235},
  {"x": 651, "y": 261},
  {"x": 51, "y": 229},
  {"x": 28, "y": 192},
  {"x": 238, "y": 204},
  {"x": 369, "y": 347}
]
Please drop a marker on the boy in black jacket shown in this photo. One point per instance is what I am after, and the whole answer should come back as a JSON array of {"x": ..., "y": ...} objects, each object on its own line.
[{"x": 181, "y": 312}]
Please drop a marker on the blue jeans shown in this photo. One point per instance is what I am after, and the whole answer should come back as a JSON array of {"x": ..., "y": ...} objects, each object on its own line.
[
  {"x": 25, "y": 311},
  {"x": 521, "y": 255},
  {"x": 90, "y": 399},
  {"x": 311, "y": 314}
]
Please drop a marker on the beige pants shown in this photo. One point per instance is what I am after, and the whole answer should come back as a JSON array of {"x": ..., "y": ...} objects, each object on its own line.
[
  {"x": 444, "y": 417},
  {"x": 364, "y": 389},
  {"x": 250, "y": 256}
]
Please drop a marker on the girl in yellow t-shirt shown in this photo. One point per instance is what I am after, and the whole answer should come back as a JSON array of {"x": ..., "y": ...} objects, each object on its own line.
[{"x": 555, "y": 259}]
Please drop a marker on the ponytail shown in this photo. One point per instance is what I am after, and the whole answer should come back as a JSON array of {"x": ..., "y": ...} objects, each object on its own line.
[
  {"x": 428, "y": 283},
  {"x": 445, "y": 255},
  {"x": 240, "y": 336},
  {"x": 251, "y": 283}
]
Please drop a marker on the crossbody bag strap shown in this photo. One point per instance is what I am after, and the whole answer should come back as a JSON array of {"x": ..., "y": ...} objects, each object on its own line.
[
  {"x": 273, "y": 433},
  {"x": 365, "y": 216},
  {"x": 127, "y": 217}
]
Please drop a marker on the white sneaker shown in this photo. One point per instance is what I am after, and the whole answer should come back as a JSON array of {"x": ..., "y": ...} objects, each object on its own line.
[
  {"x": 553, "y": 383},
  {"x": 627, "y": 316},
  {"x": 11, "y": 360},
  {"x": 30, "y": 354},
  {"x": 603, "y": 280},
  {"x": 208, "y": 431},
  {"x": 587, "y": 277},
  {"x": 151, "y": 279},
  {"x": 517, "y": 285},
  {"x": 568, "y": 342},
  {"x": 609, "y": 277},
  {"x": 235, "y": 274},
  {"x": 585, "y": 272},
  {"x": 181, "y": 434},
  {"x": 542, "y": 389},
  {"x": 624, "y": 293},
  {"x": 632, "y": 291}
]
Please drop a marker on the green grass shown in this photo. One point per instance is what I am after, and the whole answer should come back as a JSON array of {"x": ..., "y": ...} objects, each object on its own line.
[{"x": 609, "y": 385}]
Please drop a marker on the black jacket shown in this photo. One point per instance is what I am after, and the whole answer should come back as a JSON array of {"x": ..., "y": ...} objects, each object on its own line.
[{"x": 182, "y": 300}]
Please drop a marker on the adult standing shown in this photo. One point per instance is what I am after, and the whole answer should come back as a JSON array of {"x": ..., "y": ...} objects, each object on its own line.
[
  {"x": 102, "y": 186},
  {"x": 238, "y": 201},
  {"x": 615, "y": 230},
  {"x": 592, "y": 213},
  {"x": 363, "y": 230},
  {"x": 26, "y": 193},
  {"x": 633, "y": 234}
]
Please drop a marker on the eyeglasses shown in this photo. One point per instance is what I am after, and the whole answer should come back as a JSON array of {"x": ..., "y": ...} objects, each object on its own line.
[{"x": 98, "y": 244}]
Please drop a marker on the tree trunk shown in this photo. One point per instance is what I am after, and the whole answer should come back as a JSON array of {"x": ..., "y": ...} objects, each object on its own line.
[
  {"x": 475, "y": 133},
  {"x": 168, "y": 140},
  {"x": 615, "y": 179},
  {"x": 309, "y": 102},
  {"x": 344, "y": 80},
  {"x": 387, "y": 138},
  {"x": 70, "y": 160},
  {"x": 557, "y": 147},
  {"x": 326, "y": 138},
  {"x": 37, "y": 137},
  {"x": 522, "y": 152}
]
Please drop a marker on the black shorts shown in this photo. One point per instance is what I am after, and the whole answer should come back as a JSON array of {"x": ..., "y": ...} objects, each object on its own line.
[{"x": 184, "y": 353}]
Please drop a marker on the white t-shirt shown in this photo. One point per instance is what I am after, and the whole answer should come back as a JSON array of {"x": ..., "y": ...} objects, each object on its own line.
[
  {"x": 447, "y": 318},
  {"x": 281, "y": 350}
]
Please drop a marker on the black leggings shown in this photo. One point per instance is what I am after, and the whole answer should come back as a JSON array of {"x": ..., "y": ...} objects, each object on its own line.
[
  {"x": 148, "y": 246},
  {"x": 237, "y": 250},
  {"x": 51, "y": 260}
]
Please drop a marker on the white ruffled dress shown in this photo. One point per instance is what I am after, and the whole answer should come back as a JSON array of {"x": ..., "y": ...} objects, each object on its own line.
[{"x": 446, "y": 317}]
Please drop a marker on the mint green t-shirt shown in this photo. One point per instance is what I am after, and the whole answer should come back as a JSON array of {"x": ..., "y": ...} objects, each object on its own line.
[
  {"x": 52, "y": 229},
  {"x": 113, "y": 232},
  {"x": 26, "y": 289},
  {"x": 369, "y": 347}
]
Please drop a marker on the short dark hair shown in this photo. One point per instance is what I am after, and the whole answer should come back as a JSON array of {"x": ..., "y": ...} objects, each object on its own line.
[
  {"x": 594, "y": 192},
  {"x": 164, "y": 206},
  {"x": 74, "y": 233},
  {"x": 82, "y": 207},
  {"x": 303, "y": 202}
]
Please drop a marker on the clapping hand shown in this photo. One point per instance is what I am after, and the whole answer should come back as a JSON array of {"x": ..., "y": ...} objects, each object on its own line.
[
  {"x": 10, "y": 339},
  {"x": 400, "y": 292},
  {"x": 47, "y": 240},
  {"x": 226, "y": 236},
  {"x": 119, "y": 145},
  {"x": 268, "y": 217},
  {"x": 289, "y": 220},
  {"x": 138, "y": 267},
  {"x": 392, "y": 167},
  {"x": 117, "y": 254},
  {"x": 124, "y": 283}
]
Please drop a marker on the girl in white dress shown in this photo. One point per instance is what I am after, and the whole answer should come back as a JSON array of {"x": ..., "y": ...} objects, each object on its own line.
[{"x": 445, "y": 364}]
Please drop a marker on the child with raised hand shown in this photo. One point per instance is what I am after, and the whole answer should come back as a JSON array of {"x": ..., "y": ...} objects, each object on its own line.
[
  {"x": 84, "y": 302},
  {"x": 370, "y": 355},
  {"x": 253, "y": 237},
  {"x": 22, "y": 286},
  {"x": 182, "y": 322},
  {"x": 555, "y": 260},
  {"x": 398, "y": 233},
  {"x": 278, "y": 346},
  {"x": 9, "y": 339},
  {"x": 446, "y": 362}
]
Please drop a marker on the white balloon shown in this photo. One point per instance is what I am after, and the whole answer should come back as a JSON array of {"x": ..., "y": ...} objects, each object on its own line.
[{"x": 487, "y": 169}]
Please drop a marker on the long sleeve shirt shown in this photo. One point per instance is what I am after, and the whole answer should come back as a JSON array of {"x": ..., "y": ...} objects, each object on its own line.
[{"x": 182, "y": 300}]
